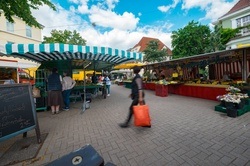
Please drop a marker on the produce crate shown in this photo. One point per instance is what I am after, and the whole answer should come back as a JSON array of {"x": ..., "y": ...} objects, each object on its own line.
[
  {"x": 220, "y": 108},
  {"x": 241, "y": 112}
]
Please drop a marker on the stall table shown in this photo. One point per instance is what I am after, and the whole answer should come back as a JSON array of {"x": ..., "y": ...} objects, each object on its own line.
[
  {"x": 149, "y": 86},
  {"x": 78, "y": 90},
  {"x": 205, "y": 91},
  {"x": 161, "y": 90}
]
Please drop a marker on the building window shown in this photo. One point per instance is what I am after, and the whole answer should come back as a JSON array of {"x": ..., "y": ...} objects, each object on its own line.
[
  {"x": 28, "y": 31},
  {"x": 9, "y": 42},
  {"x": 10, "y": 26},
  {"x": 243, "y": 21}
]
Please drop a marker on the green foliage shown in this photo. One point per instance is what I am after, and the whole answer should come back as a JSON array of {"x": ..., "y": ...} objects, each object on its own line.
[
  {"x": 66, "y": 37},
  {"x": 227, "y": 34},
  {"x": 215, "y": 43},
  {"x": 153, "y": 54},
  {"x": 190, "y": 40},
  {"x": 22, "y": 9}
]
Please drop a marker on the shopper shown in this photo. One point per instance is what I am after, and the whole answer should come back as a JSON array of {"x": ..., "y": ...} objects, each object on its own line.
[
  {"x": 68, "y": 84},
  {"x": 137, "y": 95},
  {"x": 54, "y": 87},
  {"x": 107, "y": 81}
]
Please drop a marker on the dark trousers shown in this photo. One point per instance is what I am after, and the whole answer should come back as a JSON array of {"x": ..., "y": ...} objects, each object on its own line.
[
  {"x": 66, "y": 94},
  {"x": 134, "y": 102}
]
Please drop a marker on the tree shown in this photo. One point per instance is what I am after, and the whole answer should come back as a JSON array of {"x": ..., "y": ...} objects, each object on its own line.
[
  {"x": 190, "y": 40},
  {"x": 152, "y": 52},
  {"x": 216, "y": 42},
  {"x": 22, "y": 9},
  {"x": 221, "y": 36},
  {"x": 67, "y": 37},
  {"x": 227, "y": 34}
]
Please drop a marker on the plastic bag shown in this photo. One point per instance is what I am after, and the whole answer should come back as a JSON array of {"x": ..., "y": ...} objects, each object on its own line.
[{"x": 141, "y": 116}]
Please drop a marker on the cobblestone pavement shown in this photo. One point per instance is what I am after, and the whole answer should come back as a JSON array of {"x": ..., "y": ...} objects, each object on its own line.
[{"x": 185, "y": 131}]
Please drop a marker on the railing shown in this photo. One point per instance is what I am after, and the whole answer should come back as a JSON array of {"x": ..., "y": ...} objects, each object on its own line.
[{"x": 243, "y": 32}]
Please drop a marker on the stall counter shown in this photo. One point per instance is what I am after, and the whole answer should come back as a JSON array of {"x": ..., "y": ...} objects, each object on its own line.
[{"x": 205, "y": 91}]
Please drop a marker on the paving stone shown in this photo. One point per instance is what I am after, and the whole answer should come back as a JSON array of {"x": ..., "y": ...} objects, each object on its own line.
[
  {"x": 241, "y": 162},
  {"x": 185, "y": 131},
  {"x": 227, "y": 160}
]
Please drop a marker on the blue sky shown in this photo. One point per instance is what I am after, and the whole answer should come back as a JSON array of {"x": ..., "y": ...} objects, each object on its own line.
[{"x": 122, "y": 23}]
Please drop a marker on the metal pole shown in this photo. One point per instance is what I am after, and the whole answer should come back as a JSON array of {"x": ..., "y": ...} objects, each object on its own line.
[
  {"x": 244, "y": 65},
  {"x": 84, "y": 90}
]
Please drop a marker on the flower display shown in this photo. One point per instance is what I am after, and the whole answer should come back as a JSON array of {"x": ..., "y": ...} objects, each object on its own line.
[
  {"x": 233, "y": 96},
  {"x": 233, "y": 89}
]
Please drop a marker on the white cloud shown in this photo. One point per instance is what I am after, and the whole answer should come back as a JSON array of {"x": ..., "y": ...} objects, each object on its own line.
[
  {"x": 214, "y": 8},
  {"x": 123, "y": 39},
  {"x": 111, "y": 3},
  {"x": 123, "y": 35},
  {"x": 188, "y": 4},
  {"x": 74, "y": 1},
  {"x": 168, "y": 7},
  {"x": 83, "y": 7},
  {"x": 164, "y": 8},
  {"x": 109, "y": 19},
  {"x": 60, "y": 19}
]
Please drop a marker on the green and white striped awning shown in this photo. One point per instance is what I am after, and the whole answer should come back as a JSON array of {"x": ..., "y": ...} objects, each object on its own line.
[{"x": 55, "y": 52}]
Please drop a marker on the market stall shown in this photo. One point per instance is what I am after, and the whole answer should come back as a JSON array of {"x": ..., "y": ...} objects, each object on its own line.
[
  {"x": 190, "y": 81},
  {"x": 126, "y": 69},
  {"x": 68, "y": 57}
]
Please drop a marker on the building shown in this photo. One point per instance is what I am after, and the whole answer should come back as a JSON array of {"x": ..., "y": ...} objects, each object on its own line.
[
  {"x": 238, "y": 16},
  {"x": 142, "y": 45},
  {"x": 18, "y": 33}
]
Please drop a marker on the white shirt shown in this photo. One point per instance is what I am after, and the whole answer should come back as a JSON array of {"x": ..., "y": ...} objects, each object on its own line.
[
  {"x": 68, "y": 83},
  {"x": 108, "y": 82}
]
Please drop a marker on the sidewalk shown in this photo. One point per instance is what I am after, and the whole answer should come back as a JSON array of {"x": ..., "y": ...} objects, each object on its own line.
[{"x": 185, "y": 131}]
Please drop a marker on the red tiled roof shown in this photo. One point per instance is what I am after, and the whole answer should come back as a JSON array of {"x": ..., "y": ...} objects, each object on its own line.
[
  {"x": 241, "y": 4},
  {"x": 145, "y": 40}
]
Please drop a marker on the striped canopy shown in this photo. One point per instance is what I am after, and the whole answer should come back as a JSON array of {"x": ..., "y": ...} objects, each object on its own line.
[{"x": 104, "y": 56}]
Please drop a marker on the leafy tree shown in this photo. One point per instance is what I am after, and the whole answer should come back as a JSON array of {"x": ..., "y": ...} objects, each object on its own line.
[
  {"x": 22, "y": 9},
  {"x": 190, "y": 40},
  {"x": 67, "y": 37},
  {"x": 221, "y": 36},
  {"x": 227, "y": 34},
  {"x": 152, "y": 52},
  {"x": 215, "y": 43}
]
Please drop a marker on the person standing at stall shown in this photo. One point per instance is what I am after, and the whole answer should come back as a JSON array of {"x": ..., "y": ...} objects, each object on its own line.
[
  {"x": 137, "y": 95},
  {"x": 94, "y": 78},
  {"x": 68, "y": 84},
  {"x": 107, "y": 83},
  {"x": 54, "y": 87}
]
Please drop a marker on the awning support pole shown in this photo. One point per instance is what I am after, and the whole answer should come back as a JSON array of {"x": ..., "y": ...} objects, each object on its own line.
[
  {"x": 84, "y": 90},
  {"x": 244, "y": 65}
]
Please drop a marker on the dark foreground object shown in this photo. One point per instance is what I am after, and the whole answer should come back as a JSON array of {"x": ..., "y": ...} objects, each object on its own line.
[{"x": 85, "y": 156}]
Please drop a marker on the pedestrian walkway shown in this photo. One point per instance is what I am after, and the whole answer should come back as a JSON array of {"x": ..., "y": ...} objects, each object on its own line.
[{"x": 185, "y": 131}]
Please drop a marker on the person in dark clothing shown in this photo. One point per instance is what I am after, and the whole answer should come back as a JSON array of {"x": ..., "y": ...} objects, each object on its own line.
[
  {"x": 137, "y": 95},
  {"x": 94, "y": 78},
  {"x": 54, "y": 86}
]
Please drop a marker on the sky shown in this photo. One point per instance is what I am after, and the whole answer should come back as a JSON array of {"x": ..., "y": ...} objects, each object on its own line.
[{"x": 122, "y": 23}]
